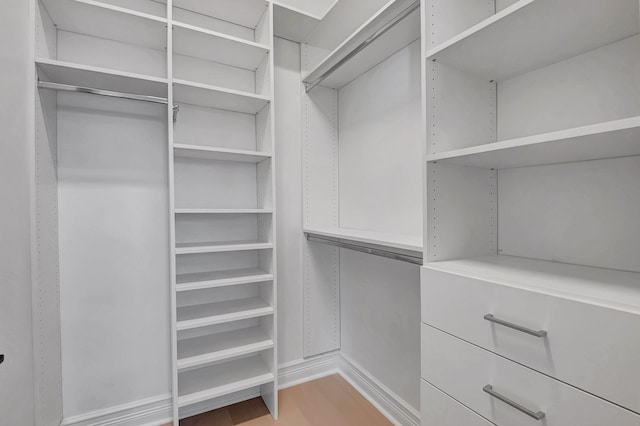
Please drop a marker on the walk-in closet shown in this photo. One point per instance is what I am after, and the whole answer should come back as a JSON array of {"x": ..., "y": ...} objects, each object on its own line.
[{"x": 327, "y": 212}]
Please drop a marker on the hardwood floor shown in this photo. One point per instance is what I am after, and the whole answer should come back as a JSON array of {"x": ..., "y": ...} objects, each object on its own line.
[{"x": 329, "y": 401}]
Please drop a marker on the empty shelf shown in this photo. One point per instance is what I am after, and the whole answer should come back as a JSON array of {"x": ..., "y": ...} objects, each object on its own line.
[
  {"x": 592, "y": 285},
  {"x": 107, "y": 21},
  {"x": 246, "y": 13},
  {"x": 217, "y": 97},
  {"x": 223, "y": 211},
  {"x": 54, "y": 71},
  {"x": 192, "y": 248},
  {"x": 390, "y": 241},
  {"x": 291, "y": 23},
  {"x": 221, "y": 379},
  {"x": 204, "y": 350},
  {"x": 355, "y": 56},
  {"x": 222, "y": 154},
  {"x": 532, "y": 34},
  {"x": 220, "y": 312},
  {"x": 217, "y": 47},
  {"x": 202, "y": 280},
  {"x": 603, "y": 140}
]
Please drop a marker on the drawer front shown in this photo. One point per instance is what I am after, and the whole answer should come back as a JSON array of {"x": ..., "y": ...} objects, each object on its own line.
[
  {"x": 588, "y": 346},
  {"x": 462, "y": 370},
  {"x": 439, "y": 409}
]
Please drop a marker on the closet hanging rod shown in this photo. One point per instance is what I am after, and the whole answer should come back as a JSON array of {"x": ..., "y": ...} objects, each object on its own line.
[
  {"x": 380, "y": 32},
  {"x": 109, "y": 93},
  {"x": 416, "y": 260}
]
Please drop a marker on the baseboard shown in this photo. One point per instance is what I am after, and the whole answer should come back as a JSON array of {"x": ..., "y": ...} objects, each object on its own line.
[
  {"x": 150, "y": 411},
  {"x": 304, "y": 370},
  {"x": 157, "y": 411},
  {"x": 397, "y": 410}
]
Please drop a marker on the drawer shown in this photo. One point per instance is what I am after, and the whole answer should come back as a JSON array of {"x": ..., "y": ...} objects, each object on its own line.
[
  {"x": 462, "y": 370},
  {"x": 592, "y": 347},
  {"x": 439, "y": 409}
]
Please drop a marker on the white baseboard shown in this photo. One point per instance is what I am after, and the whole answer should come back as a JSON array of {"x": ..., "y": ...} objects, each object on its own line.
[
  {"x": 150, "y": 411},
  {"x": 304, "y": 370},
  {"x": 157, "y": 411},
  {"x": 394, "y": 408}
]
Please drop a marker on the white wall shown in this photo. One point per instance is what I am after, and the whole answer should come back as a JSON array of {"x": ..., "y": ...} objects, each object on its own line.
[
  {"x": 289, "y": 199},
  {"x": 380, "y": 147},
  {"x": 114, "y": 252},
  {"x": 16, "y": 374},
  {"x": 380, "y": 320}
]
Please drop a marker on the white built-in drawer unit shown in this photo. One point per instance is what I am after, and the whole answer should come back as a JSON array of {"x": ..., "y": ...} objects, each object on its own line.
[
  {"x": 580, "y": 323},
  {"x": 521, "y": 396}
]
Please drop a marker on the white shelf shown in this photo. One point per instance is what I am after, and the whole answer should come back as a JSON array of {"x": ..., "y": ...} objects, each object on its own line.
[
  {"x": 221, "y": 312},
  {"x": 221, "y": 379},
  {"x": 399, "y": 36},
  {"x": 106, "y": 21},
  {"x": 608, "y": 287},
  {"x": 291, "y": 23},
  {"x": 55, "y": 71},
  {"x": 224, "y": 211},
  {"x": 189, "y": 92},
  {"x": 532, "y": 34},
  {"x": 391, "y": 241},
  {"x": 213, "y": 46},
  {"x": 199, "y": 351},
  {"x": 222, "y": 154},
  {"x": 618, "y": 138},
  {"x": 246, "y": 13},
  {"x": 227, "y": 246},
  {"x": 203, "y": 280}
]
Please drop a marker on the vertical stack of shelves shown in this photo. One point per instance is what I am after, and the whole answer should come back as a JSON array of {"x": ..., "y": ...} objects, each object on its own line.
[
  {"x": 532, "y": 122},
  {"x": 223, "y": 203},
  {"x": 214, "y": 61}
]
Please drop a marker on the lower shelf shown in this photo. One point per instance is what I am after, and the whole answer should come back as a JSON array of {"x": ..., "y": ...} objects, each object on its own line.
[
  {"x": 199, "y": 351},
  {"x": 203, "y": 280},
  {"x": 194, "y": 248},
  {"x": 222, "y": 379},
  {"x": 221, "y": 312}
]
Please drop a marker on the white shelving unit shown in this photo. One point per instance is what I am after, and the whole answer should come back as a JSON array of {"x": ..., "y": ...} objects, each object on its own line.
[
  {"x": 214, "y": 60},
  {"x": 223, "y": 209},
  {"x": 532, "y": 163}
]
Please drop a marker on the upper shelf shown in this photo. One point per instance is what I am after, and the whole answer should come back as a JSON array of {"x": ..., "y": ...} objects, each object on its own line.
[
  {"x": 291, "y": 23},
  {"x": 619, "y": 138},
  {"x": 55, "y": 71},
  {"x": 217, "y": 47},
  {"x": 107, "y": 21},
  {"x": 383, "y": 240},
  {"x": 393, "y": 27},
  {"x": 593, "y": 285},
  {"x": 246, "y": 13},
  {"x": 532, "y": 34},
  {"x": 221, "y": 154}
]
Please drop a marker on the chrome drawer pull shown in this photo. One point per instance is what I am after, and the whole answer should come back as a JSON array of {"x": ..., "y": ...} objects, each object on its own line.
[
  {"x": 491, "y": 318},
  {"x": 539, "y": 415}
]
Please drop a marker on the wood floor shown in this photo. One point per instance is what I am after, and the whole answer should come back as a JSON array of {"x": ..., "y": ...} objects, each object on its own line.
[{"x": 330, "y": 401}]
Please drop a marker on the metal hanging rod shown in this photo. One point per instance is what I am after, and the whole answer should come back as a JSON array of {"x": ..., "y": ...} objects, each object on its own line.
[
  {"x": 392, "y": 23},
  {"x": 109, "y": 93},
  {"x": 416, "y": 260}
]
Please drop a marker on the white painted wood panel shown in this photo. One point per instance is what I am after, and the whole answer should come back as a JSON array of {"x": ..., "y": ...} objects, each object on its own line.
[
  {"x": 462, "y": 370},
  {"x": 579, "y": 213},
  {"x": 591, "y": 321},
  {"x": 439, "y": 409}
]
